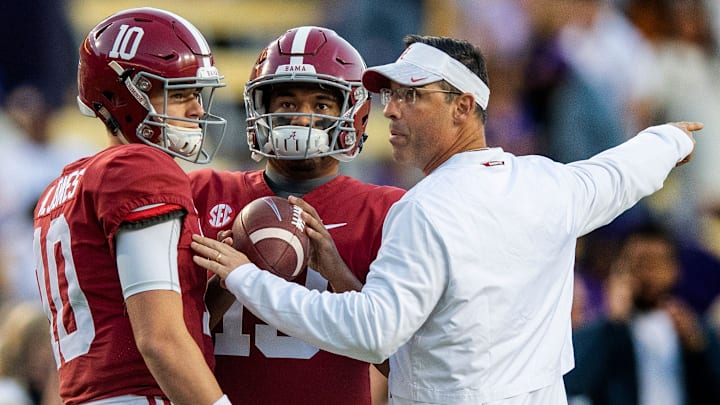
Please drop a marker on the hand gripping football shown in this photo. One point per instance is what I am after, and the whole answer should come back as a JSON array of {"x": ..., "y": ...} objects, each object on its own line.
[{"x": 271, "y": 233}]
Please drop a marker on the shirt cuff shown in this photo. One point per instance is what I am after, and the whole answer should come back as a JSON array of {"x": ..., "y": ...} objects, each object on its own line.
[{"x": 223, "y": 401}]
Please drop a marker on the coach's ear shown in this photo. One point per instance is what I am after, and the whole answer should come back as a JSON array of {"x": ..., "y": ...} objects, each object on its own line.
[{"x": 464, "y": 107}]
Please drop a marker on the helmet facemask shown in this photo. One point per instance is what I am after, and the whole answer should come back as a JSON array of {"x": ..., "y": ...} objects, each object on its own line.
[
  {"x": 274, "y": 136},
  {"x": 187, "y": 143}
]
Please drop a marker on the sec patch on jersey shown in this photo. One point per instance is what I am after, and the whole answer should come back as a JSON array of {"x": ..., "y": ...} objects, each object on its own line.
[{"x": 271, "y": 232}]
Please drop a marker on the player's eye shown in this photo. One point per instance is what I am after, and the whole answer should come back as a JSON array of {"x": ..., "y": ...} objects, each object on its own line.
[{"x": 182, "y": 96}]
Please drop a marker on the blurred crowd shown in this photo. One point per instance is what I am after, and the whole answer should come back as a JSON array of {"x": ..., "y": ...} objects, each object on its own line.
[{"x": 569, "y": 78}]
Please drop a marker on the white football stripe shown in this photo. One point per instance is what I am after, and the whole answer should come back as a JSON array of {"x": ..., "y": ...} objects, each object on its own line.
[
  {"x": 285, "y": 235},
  {"x": 298, "y": 46},
  {"x": 270, "y": 203}
]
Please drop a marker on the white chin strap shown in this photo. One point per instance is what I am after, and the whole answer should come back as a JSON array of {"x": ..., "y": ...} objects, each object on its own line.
[
  {"x": 185, "y": 141},
  {"x": 297, "y": 141}
]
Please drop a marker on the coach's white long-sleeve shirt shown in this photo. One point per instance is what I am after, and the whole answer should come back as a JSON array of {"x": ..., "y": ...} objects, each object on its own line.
[{"x": 471, "y": 290}]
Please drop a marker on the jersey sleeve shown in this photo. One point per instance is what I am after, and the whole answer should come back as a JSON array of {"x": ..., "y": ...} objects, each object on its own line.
[
  {"x": 137, "y": 176},
  {"x": 612, "y": 181}
]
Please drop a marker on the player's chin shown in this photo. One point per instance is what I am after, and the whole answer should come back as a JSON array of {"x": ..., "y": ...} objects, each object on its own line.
[{"x": 299, "y": 165}]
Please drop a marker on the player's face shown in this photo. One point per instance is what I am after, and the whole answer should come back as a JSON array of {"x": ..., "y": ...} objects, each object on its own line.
[
  {"x": 299, "y": 102},
  {"x": 421, "y": 131},
  {"x": 181, "y": 103}
]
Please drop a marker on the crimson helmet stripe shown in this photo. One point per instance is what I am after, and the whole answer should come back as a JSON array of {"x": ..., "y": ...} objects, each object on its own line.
[{"x": 298, "y": 46}]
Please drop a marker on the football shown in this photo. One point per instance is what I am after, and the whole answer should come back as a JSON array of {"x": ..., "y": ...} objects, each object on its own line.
[{"x": 271, "y": 232}]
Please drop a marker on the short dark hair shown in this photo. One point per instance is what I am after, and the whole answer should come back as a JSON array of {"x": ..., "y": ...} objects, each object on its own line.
[{"x": 464, "y": 52}]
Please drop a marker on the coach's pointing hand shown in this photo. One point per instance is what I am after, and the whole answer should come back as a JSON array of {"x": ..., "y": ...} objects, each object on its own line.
[{"x": 688, "y": 128}]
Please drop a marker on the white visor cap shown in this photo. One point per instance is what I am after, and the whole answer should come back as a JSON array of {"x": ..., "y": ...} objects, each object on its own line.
[{"x": 423, "y": 64}]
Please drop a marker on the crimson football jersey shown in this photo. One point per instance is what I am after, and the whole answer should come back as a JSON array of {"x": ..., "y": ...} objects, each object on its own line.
[
  {"x": 76, "y": 221},
  {"x": 256, "y": 364}
]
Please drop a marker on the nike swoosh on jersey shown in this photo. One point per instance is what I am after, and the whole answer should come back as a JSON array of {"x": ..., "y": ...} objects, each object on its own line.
[
  {"x": 333, "y": 226},
  {"x": 414, "y": 80}
]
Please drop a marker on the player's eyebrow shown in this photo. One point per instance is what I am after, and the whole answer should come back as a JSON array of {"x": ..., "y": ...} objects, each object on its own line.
[{"x": 319, "y": 93}]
